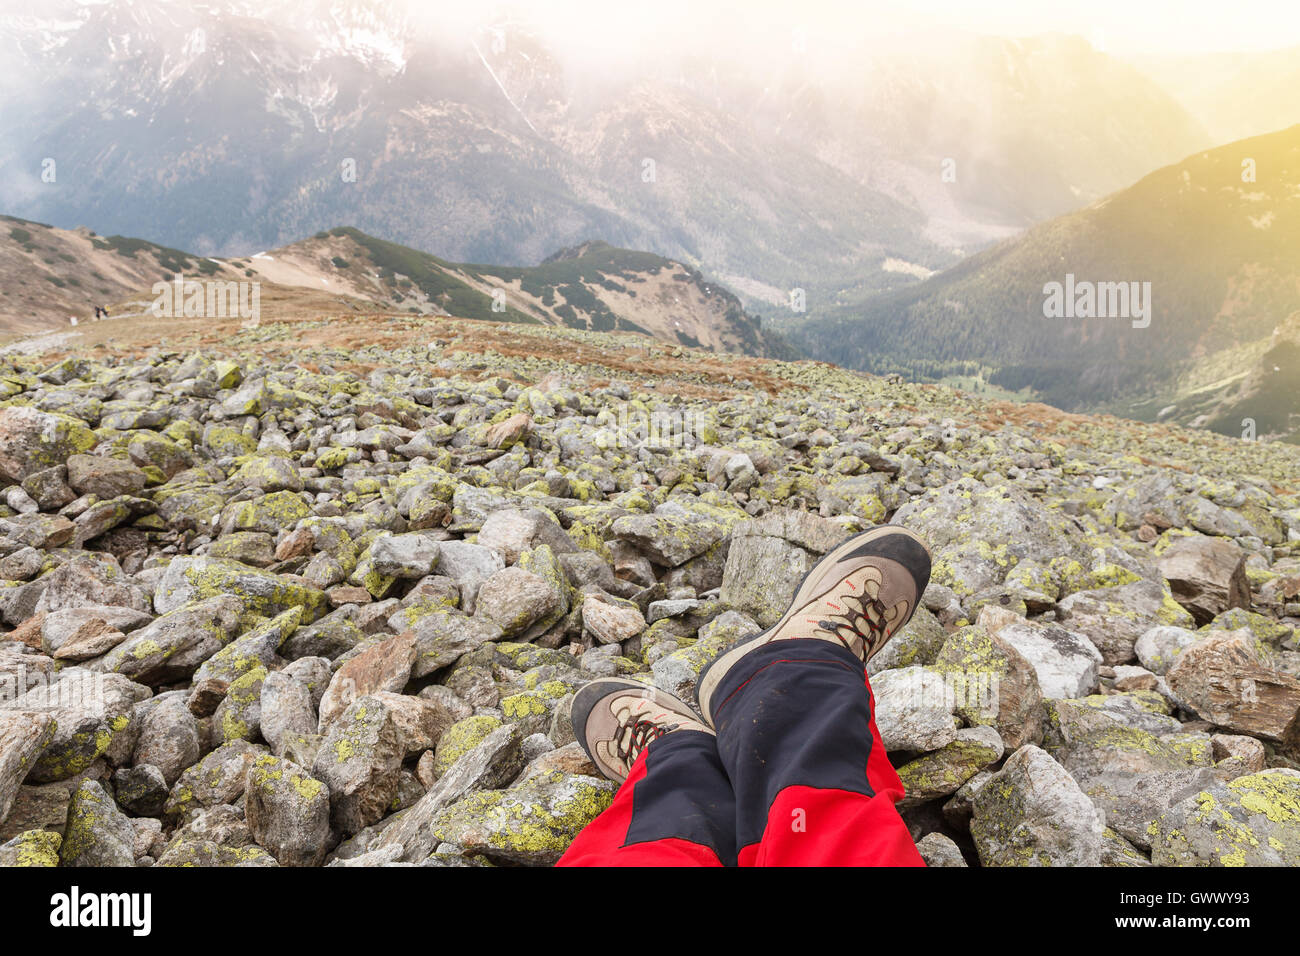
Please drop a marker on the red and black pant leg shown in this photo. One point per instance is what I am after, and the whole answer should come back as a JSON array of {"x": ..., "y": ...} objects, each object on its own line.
[
  {"x": 676, "y": 808},
  {"x": 812, "y": 782}
]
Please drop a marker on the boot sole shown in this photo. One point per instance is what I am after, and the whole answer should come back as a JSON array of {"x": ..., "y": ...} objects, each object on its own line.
[{"x": 712, "y": 674}]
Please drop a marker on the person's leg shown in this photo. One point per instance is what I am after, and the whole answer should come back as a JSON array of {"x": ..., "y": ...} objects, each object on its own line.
[
  {"x": 813, "y": 784},
  {"x": 675, "y": 806},
  {"x": 794, "y": 714}
]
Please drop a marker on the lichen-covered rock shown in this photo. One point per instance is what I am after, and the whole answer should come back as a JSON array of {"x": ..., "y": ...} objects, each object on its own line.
[
  {"x": 1159, "y": 647},
  {"x": 360, "y": 760},
  {"x": 91, "y": 712},
  {"x": 22, "y": 738},
  {"x": 404, "y": 555},
  {"x": 669, "y": 539},
  {"x": 141, "y": 790},
  {"x": 460, "y": 738},
  {"x": 918, "y": 643},
  {"x": 98, "y": 833},
  {"x": 1032, "y": 813},
  {"x": 1128, "y": 755},
  {"x": 512, "y": 531},
  {"x": 258, "y": 591},
  {"x": 444, "y": 635},
  {"x": 288, "y": 811},
  {"x": 1116, "y": 851},
  {"x": 258, "y": 646},
  {"x": 492, "y": 762},
  {"x": 215, "y": 780},
  {"x": 173, "y": 646},
  {"x": 533, "y": 823},
  {"x": 1115, "y": 618},
  {"x": 32, "y": 440},
  {"x": 1250, "y": 821},
  {"x": 31, "y": 848},
  {"x": 978, "y": 533},
  {"x": 943, "y": 771},
  {"x": 239, "y": 715},
  {"x": 206, "y": 853},
  {"x": 678, "y": 671},
  {"x": 994, "y": 684}
]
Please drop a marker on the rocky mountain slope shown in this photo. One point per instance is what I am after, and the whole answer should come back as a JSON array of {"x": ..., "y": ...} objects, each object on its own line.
[
  {"x": 762, "y": 169},
  {"x": 1214, "y": 236},
  {"x": 333, "y": 582},
  {"x": 590, "y": 286},
  {"x": 49, "y": 275}
]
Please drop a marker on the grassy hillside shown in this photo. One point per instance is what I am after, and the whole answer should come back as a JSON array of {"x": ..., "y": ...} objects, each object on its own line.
[
  {"x": 593, "y": 286},
  {"x": 1218, "y": 251}
]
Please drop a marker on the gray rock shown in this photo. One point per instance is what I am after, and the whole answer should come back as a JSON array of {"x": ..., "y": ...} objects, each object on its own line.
[
  {"x": 410, "y": 556},
  {"x": 466, "y": 562},
  {"x": 1207, "y": 575},
  {"x": 1159, "y": 647},
  {"x": 287, "y": 710},
  {"x": 939, "y": 850},
  {"x": 611, "y": 622},
  {"x": 98, "y": 833},
  {"x": 22, "y": 738},
  {"x": 168, "y": 736},
  {"x": 1032, "y": 813},
  {"x": 141, "y": 790},
  {"x": 1065, "y": 662},
  {"x": 914, "y": 709},
  {"x": 1249, "y": 821},
  {"x": 360, "y": 760},
  {"x": 514, "y": 600},
  {"x": 288, "y": 811}
]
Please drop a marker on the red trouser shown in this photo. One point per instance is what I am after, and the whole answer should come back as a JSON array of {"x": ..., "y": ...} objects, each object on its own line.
[{"x": 797, "y": 776}]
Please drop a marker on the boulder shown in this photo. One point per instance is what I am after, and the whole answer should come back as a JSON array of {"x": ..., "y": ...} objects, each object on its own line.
[
  {"x": 1207, "y": 575},
  {"x": 1032, "y": 813}
]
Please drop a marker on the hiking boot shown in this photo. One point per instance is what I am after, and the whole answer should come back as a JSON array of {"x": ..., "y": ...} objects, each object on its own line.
[
  {"x": 859, "y": 595},
  {"x": 615, "y": 720}
]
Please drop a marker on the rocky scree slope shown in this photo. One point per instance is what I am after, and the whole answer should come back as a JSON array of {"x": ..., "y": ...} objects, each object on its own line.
[{"x": 332, "y": 610}]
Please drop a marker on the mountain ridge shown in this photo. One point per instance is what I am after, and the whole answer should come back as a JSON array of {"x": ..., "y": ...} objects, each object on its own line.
[
  {"x": 1214, "y": 235},
  {"x": 44, "y": 278}
]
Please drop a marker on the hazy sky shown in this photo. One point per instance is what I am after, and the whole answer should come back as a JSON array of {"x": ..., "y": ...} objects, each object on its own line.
[{"x": 1119, "y": 26}]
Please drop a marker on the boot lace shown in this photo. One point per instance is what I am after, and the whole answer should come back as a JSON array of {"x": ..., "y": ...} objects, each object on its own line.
[
  {"x": 868, "y": 623},
  {"x": 638, "y": 732}
]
